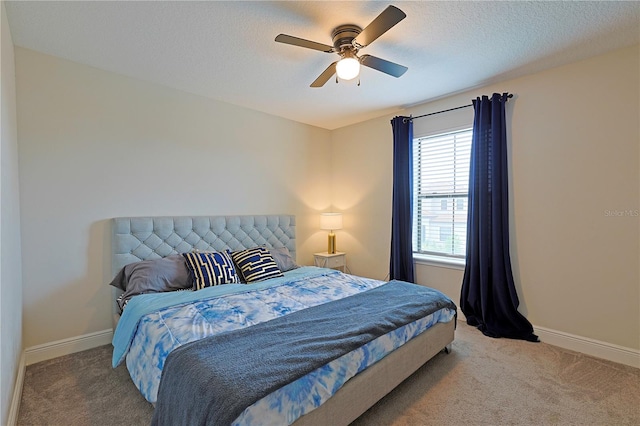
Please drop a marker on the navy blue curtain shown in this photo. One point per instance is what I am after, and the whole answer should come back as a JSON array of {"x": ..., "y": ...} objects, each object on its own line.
[
  {"x": 401, "y": 267},
  {"x": 488, "y": 298}
]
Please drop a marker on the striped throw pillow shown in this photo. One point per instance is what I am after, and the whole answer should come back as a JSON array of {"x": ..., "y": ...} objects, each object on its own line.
[
  {"x": 211, "y": 268},
  {"x": 256, "y": 264}
]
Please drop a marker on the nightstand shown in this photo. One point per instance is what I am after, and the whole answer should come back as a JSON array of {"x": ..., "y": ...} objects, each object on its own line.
[{"x": 337, "y": 260}]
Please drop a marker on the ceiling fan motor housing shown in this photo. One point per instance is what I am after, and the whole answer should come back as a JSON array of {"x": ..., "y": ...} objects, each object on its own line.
[{"x": 343, "y": 37}]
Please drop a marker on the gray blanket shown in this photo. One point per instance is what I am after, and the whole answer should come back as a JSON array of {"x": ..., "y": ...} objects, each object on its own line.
[{"x": 211, "y": 381}]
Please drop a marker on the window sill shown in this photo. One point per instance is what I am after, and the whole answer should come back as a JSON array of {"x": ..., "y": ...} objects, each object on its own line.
[{"x": 439, "y": 261}]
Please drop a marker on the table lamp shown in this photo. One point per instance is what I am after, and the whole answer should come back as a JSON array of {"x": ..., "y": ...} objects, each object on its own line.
[{"x": 331, "y": 222}]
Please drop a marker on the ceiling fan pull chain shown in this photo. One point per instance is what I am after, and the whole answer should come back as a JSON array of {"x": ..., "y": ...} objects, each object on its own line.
[{"x": 358, "y": 81}]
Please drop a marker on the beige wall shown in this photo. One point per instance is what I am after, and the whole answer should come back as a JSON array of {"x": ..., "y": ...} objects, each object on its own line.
[
  {"x": 10, "y": 257},
  {"x": 95, "y": 145},
  {"x": 574, "y": 154}
]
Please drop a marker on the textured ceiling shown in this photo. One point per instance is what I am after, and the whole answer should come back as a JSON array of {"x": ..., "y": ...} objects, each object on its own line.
[{"x": 226, "y": 50}]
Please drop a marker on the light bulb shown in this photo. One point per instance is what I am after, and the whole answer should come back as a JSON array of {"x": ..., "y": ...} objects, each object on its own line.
[{"x": 348, "y": 68}]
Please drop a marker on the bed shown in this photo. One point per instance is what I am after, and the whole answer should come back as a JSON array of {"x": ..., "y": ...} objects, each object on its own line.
[{"x": 294, "y": 294}]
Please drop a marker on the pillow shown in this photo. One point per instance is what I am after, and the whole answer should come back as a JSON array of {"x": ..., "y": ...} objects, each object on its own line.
[
  {"x": 256, "y": 264},
  {"x": 283, "y": 259},
  {"x": 152, "y": 276},
  {"x": 210, "y": 268}
]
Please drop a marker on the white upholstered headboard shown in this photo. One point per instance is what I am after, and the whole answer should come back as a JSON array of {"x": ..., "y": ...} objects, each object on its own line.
[{"x": 141, "y": 238}]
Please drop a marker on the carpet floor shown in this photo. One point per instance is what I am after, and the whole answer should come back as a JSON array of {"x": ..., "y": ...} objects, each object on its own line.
[{"x": 483, "y": 381}]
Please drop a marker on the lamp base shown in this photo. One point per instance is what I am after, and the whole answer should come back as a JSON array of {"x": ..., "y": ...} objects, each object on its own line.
[{"x": 331, "y": 245}]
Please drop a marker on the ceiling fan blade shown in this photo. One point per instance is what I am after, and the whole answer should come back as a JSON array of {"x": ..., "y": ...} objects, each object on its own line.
[
  {"x": 287, "y": 39},
  {"x": 325, "y": 76},
  {"x": 382, "y": 65},
  {"x": 387, "y": 19}
]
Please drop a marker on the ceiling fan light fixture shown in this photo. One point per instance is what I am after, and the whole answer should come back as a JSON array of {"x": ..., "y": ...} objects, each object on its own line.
[{"x": 348, "y": 68}]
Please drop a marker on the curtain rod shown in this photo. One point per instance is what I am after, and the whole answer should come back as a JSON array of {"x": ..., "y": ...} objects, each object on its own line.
[{"x": 446, "y": 110}]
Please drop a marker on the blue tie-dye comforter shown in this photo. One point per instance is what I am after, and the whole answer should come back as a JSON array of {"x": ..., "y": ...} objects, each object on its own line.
[
  {"x": 228, "y": 372},
  {"x": 153, "y": 325}
]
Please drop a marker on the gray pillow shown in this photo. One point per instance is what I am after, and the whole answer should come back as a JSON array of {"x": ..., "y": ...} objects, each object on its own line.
[
  {"x": 283, "y": 258},
  {"x": 152, "y": 276}
]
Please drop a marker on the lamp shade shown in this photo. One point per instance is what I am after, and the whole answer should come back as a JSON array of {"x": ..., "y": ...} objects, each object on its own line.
[{"x": 331, "y": 221}]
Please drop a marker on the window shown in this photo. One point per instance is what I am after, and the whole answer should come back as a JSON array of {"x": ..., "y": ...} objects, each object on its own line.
[{"x": 441, "y": 190}]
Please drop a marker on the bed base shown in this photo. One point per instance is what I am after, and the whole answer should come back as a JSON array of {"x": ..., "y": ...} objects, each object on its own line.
[{"x": 365, "y": 389}]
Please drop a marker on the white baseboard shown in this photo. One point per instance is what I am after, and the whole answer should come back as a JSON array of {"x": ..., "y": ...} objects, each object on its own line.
[
  {"x": 68, "y": 346},
  {"x": 599, "y": 349},
  {"x": 14, "y": 409},
  {"x": 585, "y": 345}
]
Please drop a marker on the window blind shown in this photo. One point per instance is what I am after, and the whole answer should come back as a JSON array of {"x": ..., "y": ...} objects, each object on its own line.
[{"x": 441, "y": 189}]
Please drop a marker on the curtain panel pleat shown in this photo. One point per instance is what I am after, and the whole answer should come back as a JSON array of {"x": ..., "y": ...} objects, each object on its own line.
[
  {"x": 488, "y": 297},
  {"x": 401, "y": 265}
]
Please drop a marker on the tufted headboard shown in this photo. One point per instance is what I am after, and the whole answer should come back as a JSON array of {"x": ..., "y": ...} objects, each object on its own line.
[{"x": 141, "y": 238}]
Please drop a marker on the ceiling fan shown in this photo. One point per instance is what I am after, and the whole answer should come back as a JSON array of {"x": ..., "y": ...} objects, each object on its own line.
[{"x": 347, "y": 42}]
